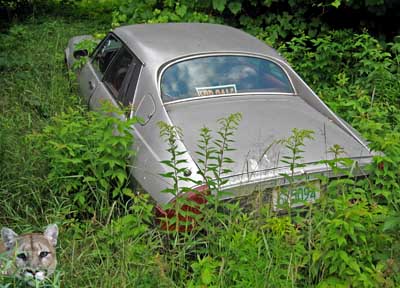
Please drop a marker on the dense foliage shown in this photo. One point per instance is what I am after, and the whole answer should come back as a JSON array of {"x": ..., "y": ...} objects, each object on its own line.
[{"x": 56, "y": 164}]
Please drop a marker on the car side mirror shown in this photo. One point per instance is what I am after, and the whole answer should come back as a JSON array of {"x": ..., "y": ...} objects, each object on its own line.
[
  {"x": 146, "y": 109},
  {"x": 80, "y": 53}
]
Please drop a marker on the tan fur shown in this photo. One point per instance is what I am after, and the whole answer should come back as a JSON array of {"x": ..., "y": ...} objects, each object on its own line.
[
  {"x": 32, "y": 256},
  {"x": 2, "y": 248}
]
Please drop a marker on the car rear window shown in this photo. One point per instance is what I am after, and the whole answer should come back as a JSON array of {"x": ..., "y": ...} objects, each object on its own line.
[{"x": 222, "y": 75}]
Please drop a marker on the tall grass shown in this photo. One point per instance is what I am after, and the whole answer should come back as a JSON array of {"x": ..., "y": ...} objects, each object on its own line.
[{"x": 34, "y": 89}]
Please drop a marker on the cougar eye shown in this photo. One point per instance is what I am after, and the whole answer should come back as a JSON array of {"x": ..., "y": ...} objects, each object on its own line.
[
  {"x": 43, "y": 254},
  {"x": 21, "y": 256}
]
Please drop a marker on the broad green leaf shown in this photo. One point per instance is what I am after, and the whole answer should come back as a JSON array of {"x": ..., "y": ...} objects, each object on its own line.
[
  {"x": 391, "y": 223},
  {"x": 206, "y": 276},
  {"x": 219, "y": 5},
  {"x": 181, "y": 10},
  {"x": 336, "y": 3}
]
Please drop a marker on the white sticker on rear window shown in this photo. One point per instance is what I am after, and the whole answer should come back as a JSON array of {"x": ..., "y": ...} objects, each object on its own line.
[{"x": 216, "y": 90}]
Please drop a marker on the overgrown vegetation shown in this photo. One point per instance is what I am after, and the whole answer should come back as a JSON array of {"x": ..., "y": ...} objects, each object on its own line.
[{"x": 57, "y": 164}]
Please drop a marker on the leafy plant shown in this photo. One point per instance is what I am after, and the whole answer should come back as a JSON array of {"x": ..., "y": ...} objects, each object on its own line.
[
  {"x": 87, "y": 45},
  {"x": 213, "y": 161},
  {"x": 86, "y": 155},
  {"x": 347, "y": 231},
  {"x": 180, "y": 213},
  {"x": 213, "y": 152},
  {"x": 293, "y": 144}
]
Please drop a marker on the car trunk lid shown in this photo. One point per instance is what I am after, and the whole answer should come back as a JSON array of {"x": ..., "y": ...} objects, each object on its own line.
[{"x": 266, "y": 120}]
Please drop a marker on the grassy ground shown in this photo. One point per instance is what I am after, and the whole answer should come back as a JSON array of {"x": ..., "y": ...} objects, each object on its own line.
[{"x": 35, "y": 87}]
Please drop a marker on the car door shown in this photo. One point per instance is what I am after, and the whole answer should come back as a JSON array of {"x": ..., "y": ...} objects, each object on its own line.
[
  {"x": 111, "y": 75},
  {"x": 92, "y": 73}
]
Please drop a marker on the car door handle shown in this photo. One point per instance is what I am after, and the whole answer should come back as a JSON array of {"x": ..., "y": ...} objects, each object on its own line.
[{"x": 91, "y": 85}]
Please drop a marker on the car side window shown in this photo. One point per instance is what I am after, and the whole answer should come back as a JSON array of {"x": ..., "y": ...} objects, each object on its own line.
[
  {"x": 121, "y": 76},
  {"x": 115, "y": 64},
  {"x": 133, "y": 75},
  {"x": 117, "y": 72},
  {"x": 104, "y": 54}
]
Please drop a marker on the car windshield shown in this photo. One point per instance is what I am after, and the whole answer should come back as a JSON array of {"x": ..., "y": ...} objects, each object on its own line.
[{"x": 221, "y": 75}]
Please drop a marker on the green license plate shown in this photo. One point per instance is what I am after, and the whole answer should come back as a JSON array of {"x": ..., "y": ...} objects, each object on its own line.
[{"x": 297, "y": 195}]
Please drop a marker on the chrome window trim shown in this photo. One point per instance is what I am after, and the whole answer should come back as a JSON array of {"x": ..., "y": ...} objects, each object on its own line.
[
  {"x": 227, "y": 95},
  {"x": 131, "y": 105}
]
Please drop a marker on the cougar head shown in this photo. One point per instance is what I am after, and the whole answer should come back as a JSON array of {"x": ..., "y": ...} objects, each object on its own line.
[{"x": 33, "y": 255}]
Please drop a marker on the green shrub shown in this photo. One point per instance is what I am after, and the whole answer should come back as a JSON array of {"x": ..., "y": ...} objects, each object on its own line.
[
  {"x": 86, "y": 155},
  {"x": 349, "y": 246}
]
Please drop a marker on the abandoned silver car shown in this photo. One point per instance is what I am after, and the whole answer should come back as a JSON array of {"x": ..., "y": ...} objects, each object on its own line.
[{"x": 191, "y": 75}]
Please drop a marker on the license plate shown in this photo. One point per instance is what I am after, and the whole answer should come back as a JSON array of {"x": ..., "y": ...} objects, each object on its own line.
[{"x": 297, "y": 195}]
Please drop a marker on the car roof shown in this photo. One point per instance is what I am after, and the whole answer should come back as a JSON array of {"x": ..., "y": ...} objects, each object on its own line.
[{"x": 157, "y": 44}]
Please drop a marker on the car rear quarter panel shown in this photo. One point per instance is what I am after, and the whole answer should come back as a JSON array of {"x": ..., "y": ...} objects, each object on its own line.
[
  {"x": 309, "y": 96},
  {"x": 151, "y": 148}
]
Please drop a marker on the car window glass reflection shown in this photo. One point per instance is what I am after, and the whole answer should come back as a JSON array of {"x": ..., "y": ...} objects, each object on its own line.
[
  {"x": 219, "y": 75},
  {"x": 105, "y": 54},
  {"x": 117, "y": 72}
]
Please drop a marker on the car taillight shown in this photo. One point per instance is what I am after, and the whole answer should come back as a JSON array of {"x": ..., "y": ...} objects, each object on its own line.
[{"x": 195, "y": 199}]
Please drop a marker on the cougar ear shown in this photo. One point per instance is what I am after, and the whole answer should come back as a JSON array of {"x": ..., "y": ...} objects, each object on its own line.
[
  {"x": 9, "y": 237},
  {"x": 51, "y": 233}
]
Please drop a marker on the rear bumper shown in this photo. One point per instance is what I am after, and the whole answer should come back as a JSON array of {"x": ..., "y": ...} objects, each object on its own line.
[{"x": 245, "y": 184}]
